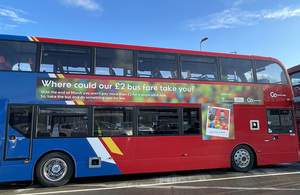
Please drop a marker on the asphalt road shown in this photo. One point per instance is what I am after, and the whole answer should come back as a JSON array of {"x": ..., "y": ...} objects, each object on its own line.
[{"x": 275, "y": 179}]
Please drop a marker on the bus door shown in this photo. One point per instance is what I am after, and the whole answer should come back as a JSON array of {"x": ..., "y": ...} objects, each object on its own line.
[
  {"x": 18, "y": 132},
  {"x": 281, "y": 140}
]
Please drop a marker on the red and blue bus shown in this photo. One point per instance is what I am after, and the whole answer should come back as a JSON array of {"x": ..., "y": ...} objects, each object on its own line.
[{"x": 80, "y": 109}]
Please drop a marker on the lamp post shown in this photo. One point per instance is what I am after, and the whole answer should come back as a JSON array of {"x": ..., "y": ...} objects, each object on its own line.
[{"x": 204, "y": 39}]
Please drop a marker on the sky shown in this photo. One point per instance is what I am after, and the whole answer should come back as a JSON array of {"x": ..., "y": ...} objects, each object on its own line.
[{"x": 268, "y": 28}]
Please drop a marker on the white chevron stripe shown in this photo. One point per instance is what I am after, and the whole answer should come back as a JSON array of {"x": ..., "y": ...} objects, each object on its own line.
[{"x": 100, "y": 150}]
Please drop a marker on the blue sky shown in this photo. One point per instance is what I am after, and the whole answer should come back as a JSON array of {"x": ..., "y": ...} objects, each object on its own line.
[{"x": 253, "y": 27}]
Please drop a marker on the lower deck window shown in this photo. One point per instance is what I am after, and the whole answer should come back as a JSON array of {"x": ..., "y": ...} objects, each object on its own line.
[
  {"x": 158, "y": 121},
  {"x": 191, "y": 121},
  {"x": 62, "y": 122},
  {"x": 107, "y": 121},
  {"x": 113, "y": 121},
  {"x": 280, "y": 121},
  {"x": 20, "y": 119}
]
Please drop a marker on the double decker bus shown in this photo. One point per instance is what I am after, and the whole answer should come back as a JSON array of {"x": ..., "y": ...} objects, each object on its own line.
[
  {"x": 80, "y": 109},
  {"x": 294, "y": 73}
]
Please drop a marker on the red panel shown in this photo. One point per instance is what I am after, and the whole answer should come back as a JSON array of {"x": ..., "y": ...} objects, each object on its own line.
[{"x": 171, "y": 153}]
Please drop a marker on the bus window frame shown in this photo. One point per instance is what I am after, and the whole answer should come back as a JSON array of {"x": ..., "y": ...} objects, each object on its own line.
[
  {"x": 94, "y": 62},
  {"x": 36, "y": 117},
  {"x": 178, "y": 114},
  {"x": 133, "y": 114},
  {"x": 294, "y": 129},
  {"x": 252, "y": 64},
  {"x": 149, "y": 52},
  {"x": 89, "y": 53},
  {"x": 274, "y": 62},
  {"x": 37, "y": 57},
  {"x": 216, "y": 63}
]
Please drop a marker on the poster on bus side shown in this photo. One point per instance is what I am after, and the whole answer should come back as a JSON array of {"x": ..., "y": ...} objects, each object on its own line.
[
  {"x": 97, "y": 91},
  {"x": 217, "y": 121}
]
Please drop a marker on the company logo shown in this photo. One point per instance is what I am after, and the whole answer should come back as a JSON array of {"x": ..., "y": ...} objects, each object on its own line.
[
  {"x": 274, "y": 95},
  {"x": 239, "y": 99},
  {"x": 250, "y": 100}
]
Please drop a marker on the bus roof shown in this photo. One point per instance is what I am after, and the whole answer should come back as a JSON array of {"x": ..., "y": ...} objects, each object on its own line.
[
  {"x": 146, "y": 48},
  {"x": 294, "y": 69}
]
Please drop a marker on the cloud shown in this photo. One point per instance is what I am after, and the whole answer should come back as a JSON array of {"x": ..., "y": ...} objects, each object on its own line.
[
  {"x": 234, "y": 17},
  {"x": 282, "y": 14},
  {"x": 14, "y": 14},
  {"x": 11, "y": 26},
  {"x": 90, "y": 5},
  {"x": 12, "y": 17},
  {"x": 238, "y": 2}
]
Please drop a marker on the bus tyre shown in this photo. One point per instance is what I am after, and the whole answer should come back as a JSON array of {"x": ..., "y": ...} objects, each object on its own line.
[
  {"x": 242, "y": 158},
  {"x": 54, "y": 169}
]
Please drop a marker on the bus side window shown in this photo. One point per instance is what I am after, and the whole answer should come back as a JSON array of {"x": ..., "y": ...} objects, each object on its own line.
[
  {"x": 17, "y": 56},
  {"x": 280, "y": 121},
  {"x": 20, "y": 119},
  {"x": 198, "y": 68},
  {"x": 157, "y": 65},
  {"x": 236, "y": 70},
  {"x": 62, "y": 122},
  {"x": 295, "y": 78},
  {"x": 192, "y": 121},
  {"x": 114, "y": 62},
  {"x": 113, "y": 121},
  {"x": 65, "y": 59},
  {"x": 270, "y": 72},
  {"x": 160, "y": 121}
]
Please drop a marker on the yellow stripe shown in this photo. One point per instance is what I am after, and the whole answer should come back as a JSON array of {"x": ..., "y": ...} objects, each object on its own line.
[
  {"x": 80, "y": 102},
  {"x": 35, "y": 39},
  {"x": 111, "y": 145},
  {"x": 61, "y": 76}
]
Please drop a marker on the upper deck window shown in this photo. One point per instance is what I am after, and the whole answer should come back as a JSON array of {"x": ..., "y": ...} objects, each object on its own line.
[
  {"x": 114, "y": 62},
  {"x": 270, "y": 72},
  {"x": 236, "y": 70},
  {"x": 17, "y": 56},
  {"x": 157, "y": 65},
  {"x": 295, "y": 78},
  {"x": 199, "y": 68},
  {"x": 65, "y": 59}
]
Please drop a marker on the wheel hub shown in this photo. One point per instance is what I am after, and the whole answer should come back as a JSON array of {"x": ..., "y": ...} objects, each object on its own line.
[
  {"x": 55, "y": 169},
  {"x": 242, "y": 158}
]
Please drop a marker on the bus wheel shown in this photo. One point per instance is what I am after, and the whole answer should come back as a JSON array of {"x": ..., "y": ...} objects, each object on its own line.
[
  {"x": 242, "y": 158},
  {"x": 54, "y": 169}
]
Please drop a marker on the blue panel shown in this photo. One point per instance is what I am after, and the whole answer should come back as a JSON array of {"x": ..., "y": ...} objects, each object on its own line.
[
  {"x": 17, "y": 148},
  {"x": 14, "y": 37},
  {"x": 1, "y": 149},
  {"x": 15, "y": 172},
  {"x": 23, "y": 85}
]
